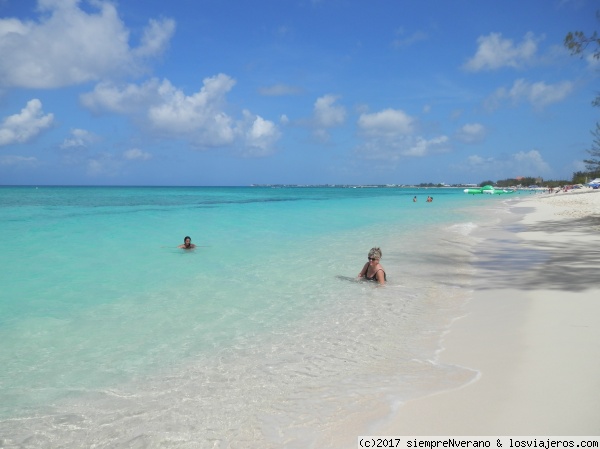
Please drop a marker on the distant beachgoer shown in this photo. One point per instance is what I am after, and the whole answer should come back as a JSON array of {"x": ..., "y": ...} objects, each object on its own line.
[
  {"x": 187, "y": 243},
  {"x": 429, "y": 199},
  {"x": 414, "y": 199},
  {"x": 372, "y": 271}
]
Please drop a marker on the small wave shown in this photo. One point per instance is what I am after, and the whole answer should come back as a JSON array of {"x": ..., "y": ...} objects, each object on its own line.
[{"x": 463, "y": 228}]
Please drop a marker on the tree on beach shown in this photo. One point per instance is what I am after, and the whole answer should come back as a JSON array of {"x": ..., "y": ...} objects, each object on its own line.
[
  {"x": 578, "y": 42},
  {"x": 593, "y": 164}
]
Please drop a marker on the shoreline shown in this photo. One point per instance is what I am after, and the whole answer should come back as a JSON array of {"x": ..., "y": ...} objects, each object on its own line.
[{"x": 531, "y": 329}]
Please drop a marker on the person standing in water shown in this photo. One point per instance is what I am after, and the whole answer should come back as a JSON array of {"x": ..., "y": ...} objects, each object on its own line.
[
  {"x": 373, "y": 271},
  {"x": 187, "y": 243}
]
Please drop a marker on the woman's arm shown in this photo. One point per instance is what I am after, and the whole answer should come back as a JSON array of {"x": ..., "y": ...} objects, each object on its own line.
[
  {"x": 381, "y": 276},
  {"x": 363, "y": 272}
]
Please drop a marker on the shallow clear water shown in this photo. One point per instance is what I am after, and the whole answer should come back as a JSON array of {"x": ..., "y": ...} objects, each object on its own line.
[{"x": 114, "y": 337}]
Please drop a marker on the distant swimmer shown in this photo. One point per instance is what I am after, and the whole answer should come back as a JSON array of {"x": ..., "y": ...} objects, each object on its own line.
[
  {"x": 414, "y": 199},
  {"x": 187, "y": 243},
  {"x": 429, "y": 199},
  {"x": 372, "y": 271}
]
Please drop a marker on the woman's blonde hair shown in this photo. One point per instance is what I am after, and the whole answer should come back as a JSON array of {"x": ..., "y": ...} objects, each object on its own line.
[{"x": 375, "y": 253}]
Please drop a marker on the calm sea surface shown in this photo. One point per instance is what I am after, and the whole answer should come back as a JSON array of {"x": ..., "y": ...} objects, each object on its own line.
[{"x": 111, "y": 336}]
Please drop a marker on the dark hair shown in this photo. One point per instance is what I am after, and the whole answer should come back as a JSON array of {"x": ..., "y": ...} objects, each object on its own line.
[{"x": 187, "y": 237}]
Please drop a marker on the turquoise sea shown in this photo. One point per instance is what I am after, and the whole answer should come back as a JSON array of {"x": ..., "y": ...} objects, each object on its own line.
[{"x": 261, "y": 337}]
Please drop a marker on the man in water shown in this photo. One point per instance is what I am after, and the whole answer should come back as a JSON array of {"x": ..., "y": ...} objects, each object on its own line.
[{"x": 187, "y": 243}]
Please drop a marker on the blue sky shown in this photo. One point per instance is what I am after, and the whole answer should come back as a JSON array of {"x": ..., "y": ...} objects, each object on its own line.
[{"x": 234, "y": 92}]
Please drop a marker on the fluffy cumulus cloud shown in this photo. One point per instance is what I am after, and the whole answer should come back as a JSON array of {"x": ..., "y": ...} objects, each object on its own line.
[
  {"x": 494, "y": 52},
  {"x": 538, "y": 94},
  {"x": 68, "y": 45},
  {"x": 260, "y": 135},
  {"x": 391, "y": 135},
  {"x": 130, "y": 99},
  {"x": 200, "y": 113},
  {"x": 471, "y": 133},
  {"x": 26, "y": 125},
  {"x": 199, "y": 118}
]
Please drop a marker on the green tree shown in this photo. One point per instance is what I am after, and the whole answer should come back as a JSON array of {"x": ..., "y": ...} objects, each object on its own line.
[
  {"x": 580, "y": 177},
  {"x": 593, "y": 164},
  {"x": 578, "y": 42}
]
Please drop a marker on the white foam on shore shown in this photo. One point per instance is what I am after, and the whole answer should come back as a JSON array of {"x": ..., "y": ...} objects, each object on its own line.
[{"x": 464, "y": 228}]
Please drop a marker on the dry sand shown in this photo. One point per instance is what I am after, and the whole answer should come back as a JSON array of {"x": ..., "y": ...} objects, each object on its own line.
[{"x": 532, "y": 329}]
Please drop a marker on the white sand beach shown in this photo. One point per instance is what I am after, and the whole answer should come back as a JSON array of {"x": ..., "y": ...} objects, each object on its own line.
[{"x": 532, "y": 329}]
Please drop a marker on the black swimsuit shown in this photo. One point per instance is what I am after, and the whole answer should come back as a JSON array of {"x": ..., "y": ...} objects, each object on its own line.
[{"x": 374, "y": 277}]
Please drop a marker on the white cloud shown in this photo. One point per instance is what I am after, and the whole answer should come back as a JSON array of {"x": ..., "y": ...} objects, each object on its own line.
[
  {"x": 136, "y": 154},
  {"x": 326, "y": 115},
  {"x": 26, "y": 125},
  {"x": 392, "y": 150},
  {"x": 389, "y": 136},
  {"x": 494, "y": 52},
  {"x": 522, "y": 163},
  {"x": 165, "y": 109},
  {"x": 156, "y": 36},
  {"x": 541, "y": 94},
  {"x": 530, "y": 162},
  {"x": 79, "y": 138},
  {"x": 389, "y": 122},
  {"x": 199, "y": 118},
  {"x": 260, "y": 136},
  {"x": 200, "y": 114},
  {"x": 538, "y": 94},
  {"x": 129, "y": 99},
  {"x": 471, "y": 133},
  {"x": 422, "y": 147},
  {"x": 69, "y": 46}
]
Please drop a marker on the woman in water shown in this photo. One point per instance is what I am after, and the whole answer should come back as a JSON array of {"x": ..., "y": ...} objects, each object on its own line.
[
  {"x": 187, "y": 243},
  {"x": 372, "y": 271}
]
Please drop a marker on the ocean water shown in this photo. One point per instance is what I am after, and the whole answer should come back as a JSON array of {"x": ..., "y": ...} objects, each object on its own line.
[{"x": 261, "y": 337}]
